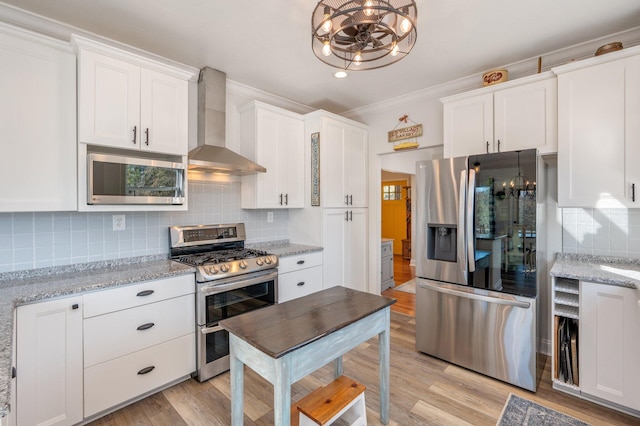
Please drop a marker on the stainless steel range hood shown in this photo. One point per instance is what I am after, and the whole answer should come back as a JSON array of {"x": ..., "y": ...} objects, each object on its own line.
[{"x": 211, "y": 154}]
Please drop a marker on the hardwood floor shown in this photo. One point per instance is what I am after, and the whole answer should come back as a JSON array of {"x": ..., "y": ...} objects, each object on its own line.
[
  {"x": 402, "y": 272},
  {"x": 424, "y": 391}
]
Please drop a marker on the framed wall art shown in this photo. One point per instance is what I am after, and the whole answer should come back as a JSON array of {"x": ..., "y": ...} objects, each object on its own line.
[{"x": 315, "y": 169}]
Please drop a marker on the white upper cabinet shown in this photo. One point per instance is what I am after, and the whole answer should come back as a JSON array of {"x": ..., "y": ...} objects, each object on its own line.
[
  {"x": 599, "y": 131},
  {"x": 511, "y": 116},
  {"x": 343, "y": 160},
  {"x": 273, "y": 138},
  {"x": 126, "y": 101},
  {"x": 37, "y": 122}
]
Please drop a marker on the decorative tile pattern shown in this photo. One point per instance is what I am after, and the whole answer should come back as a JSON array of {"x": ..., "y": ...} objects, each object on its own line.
[{"x": 315, "y": 169}]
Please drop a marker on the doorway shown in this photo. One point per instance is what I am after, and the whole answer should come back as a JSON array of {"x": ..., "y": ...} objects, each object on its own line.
[{"x": 395, "y": 195}]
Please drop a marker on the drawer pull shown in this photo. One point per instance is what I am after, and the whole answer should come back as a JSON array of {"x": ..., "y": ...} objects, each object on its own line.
[
  {"x": 145, "y": 326},
  {"x": 145, "y": 293},
  {"x": 300, "y": 262},
  {"x": 300, "y": 284},
  {"x": 74, "y": 306},
  {"x": 147, "y": 370}
]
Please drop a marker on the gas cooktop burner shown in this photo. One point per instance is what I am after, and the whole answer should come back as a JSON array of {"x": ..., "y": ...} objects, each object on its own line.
[{"x": 220, "y": 256}]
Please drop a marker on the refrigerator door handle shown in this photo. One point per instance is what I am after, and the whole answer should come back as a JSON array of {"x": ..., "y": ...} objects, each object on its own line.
[
  {"x": 470, "y": 243},
  {"x": 462, "y": 241},
  {"x": 500, "y": 301}
]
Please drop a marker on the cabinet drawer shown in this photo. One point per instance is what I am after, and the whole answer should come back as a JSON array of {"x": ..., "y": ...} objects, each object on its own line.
[
  {"x": 299, "y": 283},
  {"x": 387, "y": 249},
  {"x": 111, "y": 300},
  {"x": 111, "y": 383},
  {"x": 300, "y": 261},
  {"x": 115, "y": 334}
]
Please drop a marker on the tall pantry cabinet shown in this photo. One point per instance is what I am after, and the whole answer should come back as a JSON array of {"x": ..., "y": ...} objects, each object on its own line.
[{"x": 340, "y": 222}]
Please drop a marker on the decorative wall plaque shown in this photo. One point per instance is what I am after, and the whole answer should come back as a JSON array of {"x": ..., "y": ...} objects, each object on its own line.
[{"x": 315, "y": 169}]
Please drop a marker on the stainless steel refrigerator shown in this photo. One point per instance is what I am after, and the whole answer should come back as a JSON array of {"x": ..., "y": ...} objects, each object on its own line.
[{"x": 477, "y": 256}]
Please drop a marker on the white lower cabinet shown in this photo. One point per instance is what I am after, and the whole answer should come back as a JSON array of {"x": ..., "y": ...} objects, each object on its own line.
[
  {"x": 137, "y": 339},
  {"x": 610, "y": 343},
  {"x": 49, "y": 362},
  {"x": 121, "y": 379},
  {"x": 299, "y": 275},
  {"x": 386, "y": 262},
  {"x": 344, "y": 236},
  {"x": 102, "y": 349}
]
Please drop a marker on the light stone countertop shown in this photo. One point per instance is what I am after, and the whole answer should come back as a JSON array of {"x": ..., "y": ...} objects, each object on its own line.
[
  {"x": 618, "y": 271},
  {"x": 283, "y": 248},
  {"x": 28, "y": 286}
]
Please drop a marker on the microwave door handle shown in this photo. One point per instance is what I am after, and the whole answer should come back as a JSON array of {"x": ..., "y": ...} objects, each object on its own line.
[
  {"x": 471, "y": 252},
  {"x": 462, "y": 249}
]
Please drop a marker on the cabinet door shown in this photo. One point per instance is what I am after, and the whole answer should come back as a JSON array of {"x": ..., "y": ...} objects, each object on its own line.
[
  {"x": 355, "y": 163},
  {"x": 610, "y": 343},
  {"x": 526, "y": 116},
  {"x": 267, "y": 190},
  {"x": 108, "y": 101},
  {"x": 468, "y": 126},
  {"x": 334, "y": 227},
  {"x": 163, "y": 113},
  {"x": 332, "y": 165},
  {"x": 597, "y": 129},
  {"x": 291, "y": 161},
  {"x": 357, "y": 250},
  {"x": 49, "y": 362},
  {"x": 38, "y": 125}
]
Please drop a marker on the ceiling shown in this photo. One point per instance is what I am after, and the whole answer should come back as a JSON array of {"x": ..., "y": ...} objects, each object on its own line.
[{"x": 267, "y": 44}]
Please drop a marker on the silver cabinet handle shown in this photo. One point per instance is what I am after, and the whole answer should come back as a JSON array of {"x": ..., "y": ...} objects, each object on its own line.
[
  {"x": 286, "y": 199},
  {"x": 351, "y": 215},
  {"x": 145, "y": 293},
  {"x": 633, "y": 192},
  {"x": 300, "y": 284},
  {"x": 280, "y": 199},
  {"x": 300, "y": 262},
  {"x": 346, "y": 200},
  {"x": 498, "y": 145},
  {"x": 350, "y": 200},
  {"x": 487, "y": 147},
  {"x": 146, "y": 136},
  {"x": 135, "y": 128},
  {"x": 346, "y": 216}
]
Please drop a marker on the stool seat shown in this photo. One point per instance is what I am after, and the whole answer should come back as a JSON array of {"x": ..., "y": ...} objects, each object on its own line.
[{"x": 343, "y": 398}]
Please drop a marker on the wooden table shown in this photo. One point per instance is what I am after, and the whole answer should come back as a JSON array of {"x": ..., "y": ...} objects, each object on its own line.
[{"x": 285, "y": 342}]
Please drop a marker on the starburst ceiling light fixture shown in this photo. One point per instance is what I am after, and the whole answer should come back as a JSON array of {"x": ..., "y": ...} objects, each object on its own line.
[{"x": 363, "y": 34}]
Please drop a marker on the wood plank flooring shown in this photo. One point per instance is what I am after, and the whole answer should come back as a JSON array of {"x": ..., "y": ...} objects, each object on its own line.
[{"x": 424, "y": 391}]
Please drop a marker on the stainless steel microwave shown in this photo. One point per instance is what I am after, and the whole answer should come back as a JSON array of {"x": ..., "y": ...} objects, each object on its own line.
[{"x": 120, "y": 179}]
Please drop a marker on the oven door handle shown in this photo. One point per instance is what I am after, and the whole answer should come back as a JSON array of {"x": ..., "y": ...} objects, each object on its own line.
[
  {"x": 207, "y": 330},
  {"x": 239, "y": 282}
]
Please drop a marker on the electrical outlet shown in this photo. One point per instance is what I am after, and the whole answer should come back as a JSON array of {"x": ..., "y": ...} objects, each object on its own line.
[
  {"x": 119, "y": 222},
  {"x": 269, "y": 217}
]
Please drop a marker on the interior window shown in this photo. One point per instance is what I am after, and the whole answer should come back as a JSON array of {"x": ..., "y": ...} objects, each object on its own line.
[{"x": 391, "y": 192}]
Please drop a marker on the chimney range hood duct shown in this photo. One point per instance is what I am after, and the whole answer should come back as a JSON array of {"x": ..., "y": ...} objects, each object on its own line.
[{"x": 211, "y": 154}]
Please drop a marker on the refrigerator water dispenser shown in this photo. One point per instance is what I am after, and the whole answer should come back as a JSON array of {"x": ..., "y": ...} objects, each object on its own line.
[{"x": 442, "y": 242}]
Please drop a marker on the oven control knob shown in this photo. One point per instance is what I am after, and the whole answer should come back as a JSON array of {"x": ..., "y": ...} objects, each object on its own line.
[
  {"x": 259, "y": 261},
  {"x": 224, "y": 268},
  {"x": 243, "y": 264},
  {"x": 213, "y": 270},
  {"x": 268, "y": 260}
]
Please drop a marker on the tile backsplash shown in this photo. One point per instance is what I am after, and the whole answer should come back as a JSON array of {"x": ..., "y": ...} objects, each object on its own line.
[
  {"x": 601, "y": 232},
  {"x": 37, "y": 240}
]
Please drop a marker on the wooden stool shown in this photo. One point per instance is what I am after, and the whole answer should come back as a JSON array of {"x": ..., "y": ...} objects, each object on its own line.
[{"x": 341, "y": 399}]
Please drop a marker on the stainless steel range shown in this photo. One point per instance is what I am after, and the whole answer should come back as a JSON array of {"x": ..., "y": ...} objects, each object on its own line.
[{"x": 230, "y": 279}]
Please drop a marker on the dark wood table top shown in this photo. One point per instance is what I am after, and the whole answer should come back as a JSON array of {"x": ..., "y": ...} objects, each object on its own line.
[{"x": 285, "y": 327}]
